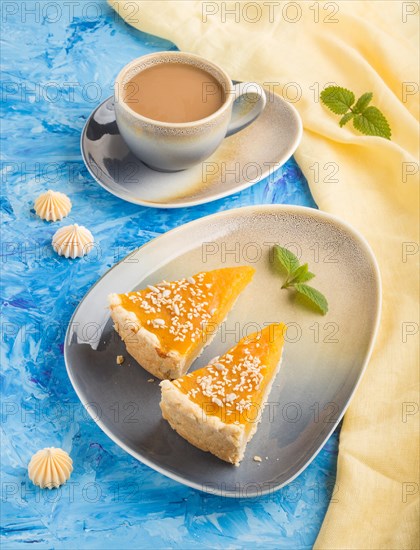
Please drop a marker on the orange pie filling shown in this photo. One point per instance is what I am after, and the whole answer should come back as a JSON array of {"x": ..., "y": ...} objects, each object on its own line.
[
  {"x": 234, "y": 387},
  {"x": 183, "y": 314}
]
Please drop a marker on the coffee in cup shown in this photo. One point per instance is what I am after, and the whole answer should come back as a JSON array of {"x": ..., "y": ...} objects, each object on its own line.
[
  {"x": 174, "y": 92},
  {"x": 173, "y": 109}
]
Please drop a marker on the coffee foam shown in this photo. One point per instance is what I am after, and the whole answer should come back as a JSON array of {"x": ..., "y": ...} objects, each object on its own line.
[{"x": 215, "y": 73}]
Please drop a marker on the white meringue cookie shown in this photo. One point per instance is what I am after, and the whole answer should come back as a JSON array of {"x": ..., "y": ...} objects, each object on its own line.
[
  {"x": 52, "y": 206},
  {"x": 50, "y": 468},
  {"x": 73, "y": 241}
]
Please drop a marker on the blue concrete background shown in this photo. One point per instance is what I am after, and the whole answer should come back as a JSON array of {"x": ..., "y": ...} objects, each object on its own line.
[{"x": 56, "y": 68}]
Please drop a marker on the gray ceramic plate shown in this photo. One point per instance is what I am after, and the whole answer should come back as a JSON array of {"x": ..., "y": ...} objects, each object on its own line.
[
  {"x": 323, "y": 361},
  {"x": 241, "y": 160}
]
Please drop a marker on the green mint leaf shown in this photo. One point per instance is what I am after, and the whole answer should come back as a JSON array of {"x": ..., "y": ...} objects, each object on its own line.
[
  {"x": 372, "y": 123},
  {"x": 314, "y": 296},
  {"x": 362, "y": 102},
  {"x": 346, "y": 118},
  {"x": 307, "y": 277},
  {"x": 337, "y": 99},
  {"x": 367, "y": 119},
  {"x": 298, "y": 275},
  {"x": 285, "y": 259}
]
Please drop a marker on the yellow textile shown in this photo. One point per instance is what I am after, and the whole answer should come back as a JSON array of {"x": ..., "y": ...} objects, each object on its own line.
[{"x": 372, "y": 46}]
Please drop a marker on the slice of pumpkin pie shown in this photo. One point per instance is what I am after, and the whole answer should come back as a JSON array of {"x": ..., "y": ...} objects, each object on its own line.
[
  {"x": 167, "y": 325},
  {"x": 217, "y": 408}
]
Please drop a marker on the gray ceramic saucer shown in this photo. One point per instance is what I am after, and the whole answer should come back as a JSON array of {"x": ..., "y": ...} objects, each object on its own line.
[
  {"x": 323, "y": 361},
  {"x": 241, "y": 160}
]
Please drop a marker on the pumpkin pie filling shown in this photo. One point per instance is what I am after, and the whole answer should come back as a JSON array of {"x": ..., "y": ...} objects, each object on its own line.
[
  {"x": 184, "y": 313},
  {"x": 235, "y": 386}
]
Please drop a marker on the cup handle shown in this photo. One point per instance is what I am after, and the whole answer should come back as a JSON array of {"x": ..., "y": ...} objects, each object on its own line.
[{"x": 249, "y": 103}]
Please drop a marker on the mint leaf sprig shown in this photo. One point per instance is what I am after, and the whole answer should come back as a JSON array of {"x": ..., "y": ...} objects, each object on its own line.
[
  {"x": 297, "y": 276},
  {"x": 369, "y": 120}
]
